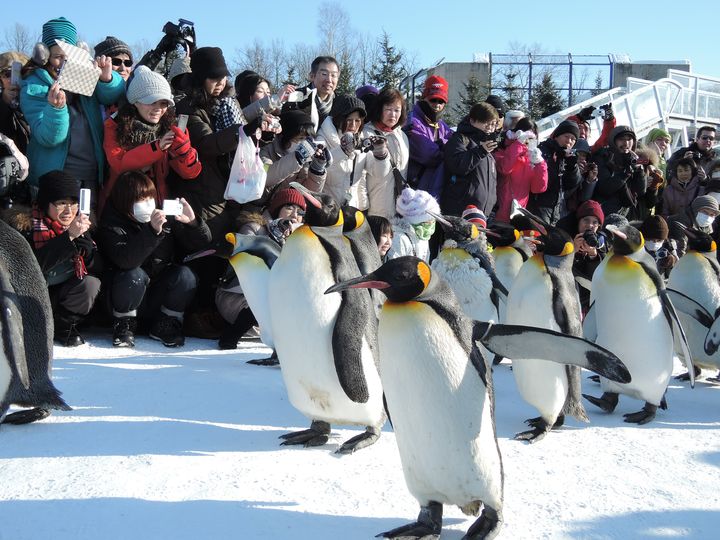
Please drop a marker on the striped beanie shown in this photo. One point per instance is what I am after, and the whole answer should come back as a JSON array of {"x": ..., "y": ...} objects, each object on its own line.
[
  {"x": 473, "y": 215},
  {"x": 59, "y": 29}
]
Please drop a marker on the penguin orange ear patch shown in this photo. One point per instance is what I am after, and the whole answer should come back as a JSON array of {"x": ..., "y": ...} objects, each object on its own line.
[
  {"x": 713, "y": 246},
  {"x": 424, "y": 273},
  {"x": 475, "y": 233},
  {"x": 567, "y": 249},
  {"x": 359, "y": 219}
]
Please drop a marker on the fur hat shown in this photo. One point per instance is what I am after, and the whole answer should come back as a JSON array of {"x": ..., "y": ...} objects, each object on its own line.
[
  {"x": 112, "y": 46},
  {"x": 706, "y": 203},
  {"x": 7, "y": 58},
  {"x": 655, "y": 228},
  {"x": 55, "y": 186},
  {"x": 346, "y": 104},
  {"x": 414, "y": 205},
  {"x": 147, "y": 87},
  {"x": 59, "y": 28},
  {"x": 285, "y": 196},
  {"x": 473, "y": 215},
  {"x": 566, "y": 126},
  {"x": 435, "y": 87},
  {"x": 590, "y": 208},
  {"x": 208, "y": 63}
]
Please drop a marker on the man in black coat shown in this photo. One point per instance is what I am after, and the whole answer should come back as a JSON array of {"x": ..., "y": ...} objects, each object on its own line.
[{"x": 700, "y": 151}]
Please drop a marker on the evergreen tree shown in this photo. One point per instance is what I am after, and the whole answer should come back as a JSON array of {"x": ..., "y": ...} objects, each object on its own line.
[
  {"x": 345, "y": 83},
  {"x": 475, "y": 92},
  {"x": 388, "y": 70},
  {"x": 290, "y": 77},
  {"x": 546, "y": 98},
  {"x": 598, "y": 85},
  {"x": 512, "y": 93}
]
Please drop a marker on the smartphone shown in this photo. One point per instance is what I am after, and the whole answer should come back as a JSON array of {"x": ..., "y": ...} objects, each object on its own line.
[
  {"x": 59, "y": 70},
  {"x": 182, "y": 121},
  {"x": 85, "y": 195},
  {"x": 172, "y": 207},
  {"x": 15, "y": 73}
]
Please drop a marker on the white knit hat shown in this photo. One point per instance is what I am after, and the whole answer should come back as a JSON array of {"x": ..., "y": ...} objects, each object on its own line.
[
  {"x": 147, "y": 87},
  {"x": 415, "y": 205}
]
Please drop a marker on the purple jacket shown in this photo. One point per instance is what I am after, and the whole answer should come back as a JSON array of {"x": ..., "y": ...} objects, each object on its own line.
[{"x": 425, "y": 168}]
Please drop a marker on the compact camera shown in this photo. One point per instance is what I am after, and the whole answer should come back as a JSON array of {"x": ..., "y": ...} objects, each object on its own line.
[
  {"x": 594, "y": 239},
  {"x": 172, "y": 207},
  {"x": 367, "y": 143}
]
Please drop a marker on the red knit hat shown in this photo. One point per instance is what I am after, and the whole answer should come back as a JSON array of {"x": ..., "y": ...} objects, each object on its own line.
[
  {"x": 435, "y": 88},
  {"x": 590, "y": 208},
  {"x": 473, "y": 215},
  {"x": 283, "y": 197}
]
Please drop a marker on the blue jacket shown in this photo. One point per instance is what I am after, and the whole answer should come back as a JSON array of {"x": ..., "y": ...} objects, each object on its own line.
[{"x": 50, "y": 127}]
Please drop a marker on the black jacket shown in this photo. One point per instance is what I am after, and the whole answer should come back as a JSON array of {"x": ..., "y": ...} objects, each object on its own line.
[
  {"x": 470, "y": 174},
  {"x": 128, "y": 244},
  {"x": 620, "y": 185},
  {"x": 563, "y": 175},
  {"x": 705, "y": 161},
  {"x": 14, "y": 125}
]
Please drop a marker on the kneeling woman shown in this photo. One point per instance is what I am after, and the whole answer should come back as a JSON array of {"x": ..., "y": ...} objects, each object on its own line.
[{"x": 143, "y": 248}]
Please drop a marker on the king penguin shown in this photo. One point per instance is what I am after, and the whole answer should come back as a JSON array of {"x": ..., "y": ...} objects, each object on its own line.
[
  {"x": 32, "y": 302},
  {"x": 694, "y": 288},
  {"x": 363, "y": 246},
  {"x": 510, "y": 251},
  {"x": 439, "y": 392},
  {"x": 327, "y": 344},
  {"x": 635, "y": 318},
  {"x": 543, "y": 294}
]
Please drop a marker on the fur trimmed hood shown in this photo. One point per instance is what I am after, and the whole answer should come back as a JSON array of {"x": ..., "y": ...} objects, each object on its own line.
[{"x": 18, "y": 217}]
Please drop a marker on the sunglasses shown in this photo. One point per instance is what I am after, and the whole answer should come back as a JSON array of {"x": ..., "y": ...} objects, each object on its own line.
[
  {"x": 117, "y": 62},
  {"x": 707, "y": 138}
]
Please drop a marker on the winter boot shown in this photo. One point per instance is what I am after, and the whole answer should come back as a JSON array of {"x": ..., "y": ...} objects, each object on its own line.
[
  {"x": 66, "y": 332},
  {"x": 124, "y": 331},
  {"x": 232, "y": 333},
  {"x": 168, "y": 330}
]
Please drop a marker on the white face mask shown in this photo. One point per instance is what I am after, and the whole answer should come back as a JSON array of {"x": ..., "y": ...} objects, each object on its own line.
[
  {"x": 704, "y": 220},
  {"x": 143, "y": 210},
  {"x": 653, "y": 245}
]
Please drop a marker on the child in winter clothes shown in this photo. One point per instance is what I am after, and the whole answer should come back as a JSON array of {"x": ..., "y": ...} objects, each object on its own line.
[
  {"x": 683, "y": 188},
  {"x": 413, "y": 229},
  {"x": 521, "y": 169},
  {"x": 383, "y": 233}
]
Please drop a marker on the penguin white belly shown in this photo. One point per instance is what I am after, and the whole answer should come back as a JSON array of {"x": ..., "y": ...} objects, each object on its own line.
[
  {"x": 440, "y": 409},
  {"x": 507, "y": 265},
  {"x": 694, "y": 277},
  {"x": 631, "y": 323},
  {"x": 303, "y": 318},
  {"x": 543, "y": 384},
  {"x": 254, "y": 277},
  {"x": 470, "y": 283},
  {"x": 5, "y": 374}
]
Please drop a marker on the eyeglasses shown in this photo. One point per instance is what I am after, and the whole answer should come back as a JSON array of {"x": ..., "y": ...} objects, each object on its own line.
[
  {"x": 117, "y": 62},
  {"x": 707, "y": 138},
  {"x": 61, "y": 206}
]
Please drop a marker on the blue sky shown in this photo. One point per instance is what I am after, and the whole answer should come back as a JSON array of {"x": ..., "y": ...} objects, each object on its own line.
[{"x": 432, "y": 30}]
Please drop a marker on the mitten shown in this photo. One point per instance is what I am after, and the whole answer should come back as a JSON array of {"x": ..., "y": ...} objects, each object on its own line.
[
  {"x": 535, "y": 156},
  {"x": 379, "y": 148},
  {"x": 347, "y": 143},
  {"x": 181, "y": 142}
]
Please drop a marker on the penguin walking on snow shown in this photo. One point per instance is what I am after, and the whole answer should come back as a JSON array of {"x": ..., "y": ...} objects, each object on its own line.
[
  {"x": 439, "y": 392},
  {"x": 363, "y": 246},
  {"x": 12, "y": 348},
  {"x": 635, "y": 318},
  {"x": 25, "y": 288},
  {"x": 327, "y": 344},
  {"x": 543, "y": 294}
]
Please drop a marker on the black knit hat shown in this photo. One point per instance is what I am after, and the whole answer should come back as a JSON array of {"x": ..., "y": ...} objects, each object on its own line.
[
  {"x": 622, "y": 130},
  {"x": 208, "y": 63},
  {"x": 344, "y": 105},
  {"x": 55, "y": 186},
  {"x": 112, "y": 46},
  {"x": 655, "y": 228},
  {"x": 498, "y": 103},
  {"x": 566, "y": 126},
  {"x": 293, "y": 122}
]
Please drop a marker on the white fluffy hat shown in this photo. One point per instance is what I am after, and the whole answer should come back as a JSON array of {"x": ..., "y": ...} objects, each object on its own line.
[
  {"x": 414, "y": 205},
  {"x": 147, "y": 87}
]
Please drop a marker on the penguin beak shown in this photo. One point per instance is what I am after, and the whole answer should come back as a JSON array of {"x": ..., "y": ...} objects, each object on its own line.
[
  {"x": 539, "y": 223},
  {"x": 616, "y": 232},
  {"x": 307, "y": 194},
  {"x": 488, "y": 231},
  {"x": 441, "y": 220},
  {"x": 363, "y": 282},
  {"x": 222, "y": 249},
  {"x": 199, "y": 254}
]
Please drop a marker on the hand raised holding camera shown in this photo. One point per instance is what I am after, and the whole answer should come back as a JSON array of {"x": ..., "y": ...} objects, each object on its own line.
[
  {"x": 188, "y": 214},
  {"x": 304, "y": 152},
  {"x": 166, "y": 140},
  {"x": 347, "y": 143},
  {"x": 157, "y": 220},
  {"x": 379, "y": 148},
  {"x": 78, "y": 226},
  {"x": 489, "y": 146}
]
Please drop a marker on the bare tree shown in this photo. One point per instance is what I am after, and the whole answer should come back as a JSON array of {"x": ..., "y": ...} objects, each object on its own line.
[
  {"x": 278, "y": 62},
  {"x": 368, "y": 51},
  {"x": 334, "y": 28},
  {"x": 19, "y": 38}
]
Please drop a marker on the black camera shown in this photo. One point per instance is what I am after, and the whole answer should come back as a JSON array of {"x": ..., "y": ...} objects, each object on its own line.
[
  {"x": 661, "y": 253},
  {"x": 696, "y": 156},
  {"x": 594, "y": 239},
  {"x": 367, "y": 143},
  {"x": 177, "y": 35},
  {"x": 183, "y": 30}
]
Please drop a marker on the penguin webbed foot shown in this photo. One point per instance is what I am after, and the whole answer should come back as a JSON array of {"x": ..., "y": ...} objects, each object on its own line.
[
  {"x": 643, "y": 416},
  {"x": 539, "y": 429},
  {"x": 497, "y": 359},
  {"x": 428, "y": 525},
  {"x": 686, "y": 376},
  {"x": 26, "y": 416},
  {"x": 486, "y": 527},
  {"x": 539, "y": 422},
  {"x": 594, "y": 378},
  {"x": 714, "y": 379},
  {"x": 271, "y": 361},
  {"x": 358, "y": 442},
  {"x": 317, "y": 435},
  {"x": 607, "y": 402}
]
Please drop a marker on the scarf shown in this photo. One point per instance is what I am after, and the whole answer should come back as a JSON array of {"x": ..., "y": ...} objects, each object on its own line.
[
  {"x": 141, "y": 133},
  {"x": 323, "y": 107},
  {"x": 382, "y": 127},
  {"x": 226, "y": 112},
  {"x": 429, "y": 113},
  {"x": 45, "y": 229}
]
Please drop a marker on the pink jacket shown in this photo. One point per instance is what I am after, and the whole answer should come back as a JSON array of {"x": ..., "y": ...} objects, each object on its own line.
[{"x": 517, "y": 178}]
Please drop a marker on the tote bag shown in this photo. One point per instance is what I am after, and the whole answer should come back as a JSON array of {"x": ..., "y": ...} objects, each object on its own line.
[{"x": 247, "y": 174}]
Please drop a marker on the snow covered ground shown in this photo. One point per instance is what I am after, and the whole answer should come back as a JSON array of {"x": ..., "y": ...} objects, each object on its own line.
[{"x": 183, "y": 444}]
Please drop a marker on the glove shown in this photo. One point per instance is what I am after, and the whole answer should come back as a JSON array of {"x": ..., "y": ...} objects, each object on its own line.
[
  {"x": 319, "y": 162},
  {"x": 181, "y": 142},
  {"x": 347, "y": 143},
  {"x": 380, "y": 148},
  {"x": 85, "y": 245},
  {"x": 304, "y": 152},
  {"x": 586, "y": 113},
  {"x": 608, "y": 113},
  {"x": 535, "y": 156},
  {"x": 523, "y": 136}
]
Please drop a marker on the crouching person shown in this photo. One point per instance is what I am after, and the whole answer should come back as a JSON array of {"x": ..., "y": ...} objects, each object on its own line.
[
  {"x": 143, "y": 247},
  {"x": 58, "y": 234}
]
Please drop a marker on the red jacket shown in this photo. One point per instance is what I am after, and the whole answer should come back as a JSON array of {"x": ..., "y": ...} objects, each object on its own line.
[
  {"x": 148, "y": 158},
  {"x": 517, "y": 178}
]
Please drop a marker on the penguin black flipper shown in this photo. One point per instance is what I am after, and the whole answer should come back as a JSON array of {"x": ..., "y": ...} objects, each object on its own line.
[
  {"x": 11, "y": 327},
  {"x": 353, "y": 320},
  {"x": 260, "y": 246},
  {"x": 680, "y": 341},
  {"x": 690, "y": 307},
  {"x": 520, "y": 342},
  {"x": 486, "y": 264}
]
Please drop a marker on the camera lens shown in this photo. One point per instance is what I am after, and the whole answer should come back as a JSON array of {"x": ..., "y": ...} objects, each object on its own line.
[{"x": 591, "y": 239}]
